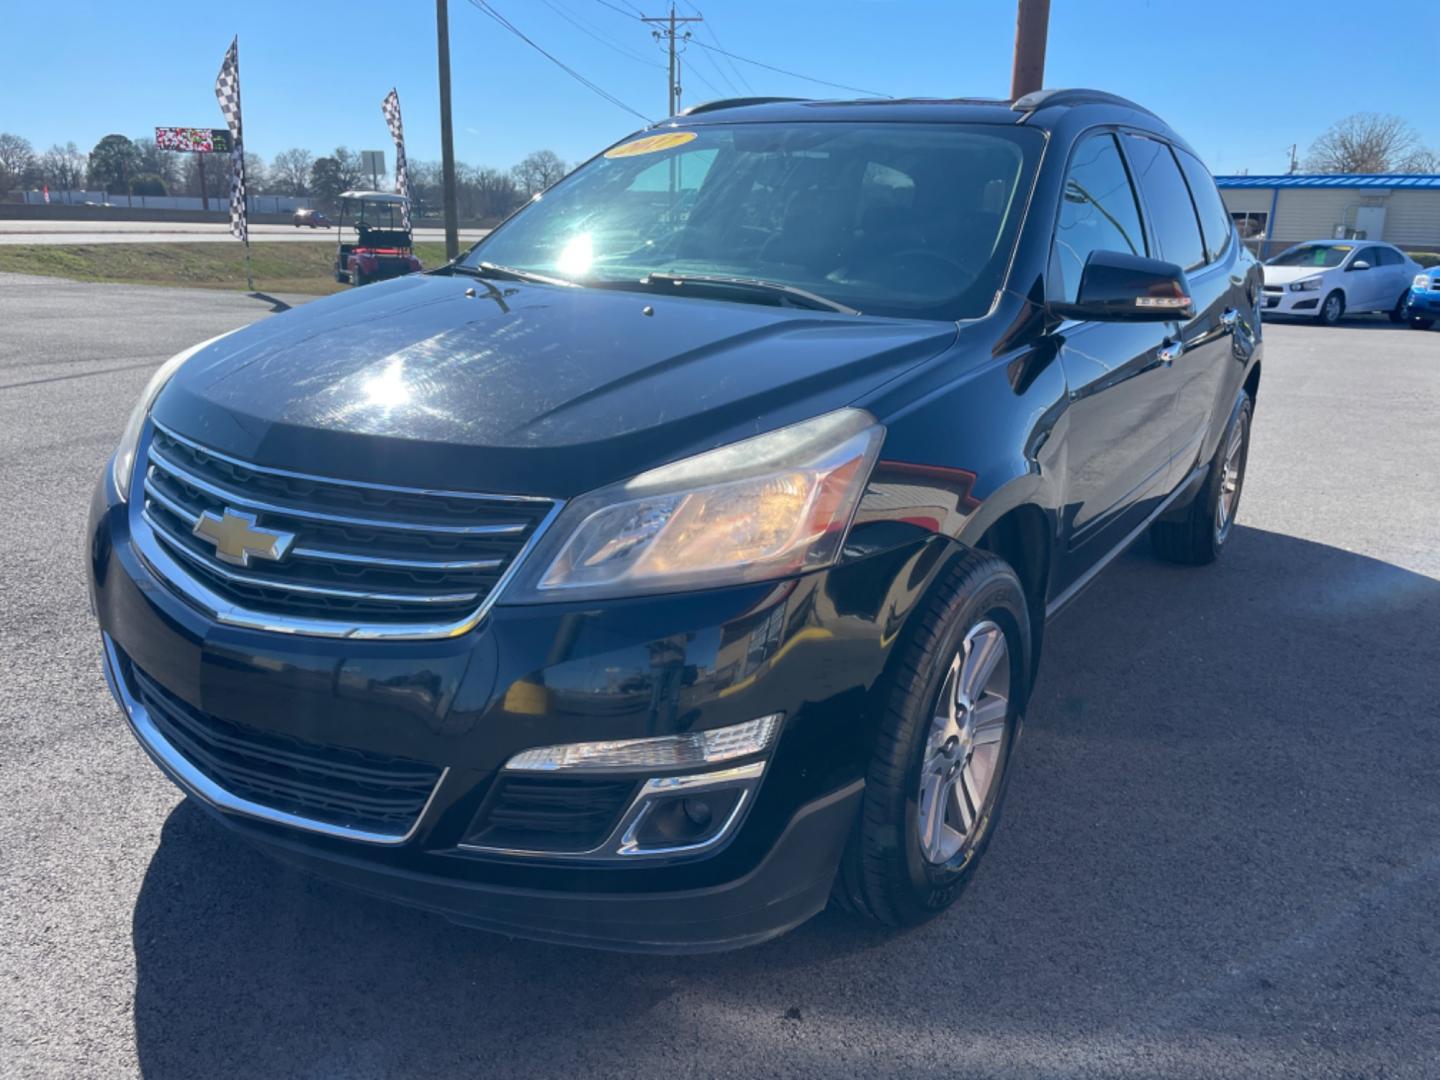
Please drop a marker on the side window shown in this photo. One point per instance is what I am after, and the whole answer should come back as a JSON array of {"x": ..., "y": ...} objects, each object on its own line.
[
  {"x": 1214, "y": 218},
  {"x": 1098, "y": 212},
  {"x": 1172, "y": 213},
  {"x": 1367, "y": 255},
  {"x": 1389, "y": 257}
]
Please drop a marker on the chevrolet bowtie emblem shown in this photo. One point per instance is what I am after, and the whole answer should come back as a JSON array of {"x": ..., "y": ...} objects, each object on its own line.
[{"x": 238, "y": 538}]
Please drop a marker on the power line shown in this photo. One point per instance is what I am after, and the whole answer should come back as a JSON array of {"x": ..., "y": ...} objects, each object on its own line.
[
  {"x": 483, "y": 5},
  {"x": 783, "y": 71},
  {"x": 716, "y": 39},
  {"x": 635, "y": 14},
  {"x": 585, "y": 27}
]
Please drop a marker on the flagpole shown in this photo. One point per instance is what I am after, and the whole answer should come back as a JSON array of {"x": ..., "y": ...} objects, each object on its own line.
[{"x": 249, "y": 278}]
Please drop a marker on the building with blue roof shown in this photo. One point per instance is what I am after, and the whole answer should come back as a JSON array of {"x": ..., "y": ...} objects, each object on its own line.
[{"x": 1274, "y": 212}]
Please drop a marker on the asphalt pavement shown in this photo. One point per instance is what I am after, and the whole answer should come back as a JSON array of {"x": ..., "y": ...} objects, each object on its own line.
[
  {"x": 1220, "y": 856},
  {"x": 175, "y": 232}
]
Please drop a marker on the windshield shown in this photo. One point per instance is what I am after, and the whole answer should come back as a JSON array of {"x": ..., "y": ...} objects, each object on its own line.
[
  {"x": 910, "y": 220},
  {"x": 1321, "y": 255}
]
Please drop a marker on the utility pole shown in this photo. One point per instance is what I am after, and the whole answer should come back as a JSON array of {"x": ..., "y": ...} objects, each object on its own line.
[
  {"x": 447, "y": 131},
  {"x": 1032, "y": 23},
  {"x": 669, "y": 24},
  {"x": 1293, "y": 163}
]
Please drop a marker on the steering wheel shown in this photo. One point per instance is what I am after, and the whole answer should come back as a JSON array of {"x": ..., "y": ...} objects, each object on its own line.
[{"x": 949, "y": 261}]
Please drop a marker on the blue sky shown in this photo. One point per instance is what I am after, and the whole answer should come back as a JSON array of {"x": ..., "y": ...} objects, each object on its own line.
[{"x": 1241, "y": 79}]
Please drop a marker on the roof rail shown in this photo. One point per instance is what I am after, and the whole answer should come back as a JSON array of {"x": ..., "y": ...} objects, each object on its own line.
[
  {"x": 1037, "y": 99},
  {"x": 734, "y": 103}
]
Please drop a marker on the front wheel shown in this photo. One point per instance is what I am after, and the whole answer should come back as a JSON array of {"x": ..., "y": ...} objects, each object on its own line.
[
  {"x": 935, "y": 782},
  {"x": 1332, "y": 309},
  {"x": 1401, "y": 311},
  {"x": 1198, "y": 534},
  {"x": 1417, "y": 323}
]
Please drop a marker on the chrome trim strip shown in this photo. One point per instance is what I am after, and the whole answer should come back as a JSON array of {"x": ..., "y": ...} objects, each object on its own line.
[
  {"x": 271, "y": 471},
  {"x": 196, "y": 783},
  {"x": 322, "y": 555},
  {"x": 621, "y": 841},
  {"x": 226, "y": 495},
  {"x": 281, "y": 585}
]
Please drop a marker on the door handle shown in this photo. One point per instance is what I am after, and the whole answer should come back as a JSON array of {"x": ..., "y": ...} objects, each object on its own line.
[
  {"x": 1170, "y": 351},
  {"x": 1229, "y": 317}
]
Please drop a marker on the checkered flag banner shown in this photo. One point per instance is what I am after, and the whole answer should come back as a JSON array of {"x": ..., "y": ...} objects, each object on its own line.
[
  {"x": 391, "y": 108},
  {"x": 227, "y": 92}
]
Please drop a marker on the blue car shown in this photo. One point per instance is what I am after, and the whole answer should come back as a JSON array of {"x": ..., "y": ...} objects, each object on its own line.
[{"x": 1425, "y": 299}]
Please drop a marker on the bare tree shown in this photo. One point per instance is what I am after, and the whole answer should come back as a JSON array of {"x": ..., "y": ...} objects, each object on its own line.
[
  {"x": 290, "y": 172},
  {"x": 538, "y": 171},
  {"x": 17, "y": 159},
  {"x": 1370, "y": 143},
  {"x": 63, "y": 167}
]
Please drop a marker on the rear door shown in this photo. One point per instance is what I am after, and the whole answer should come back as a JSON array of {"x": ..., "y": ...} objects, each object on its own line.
[
  {"x": 1210, "y": 366},
  {"x": 1397, "y": 276},
  {"x": 1117, "y": 425}
]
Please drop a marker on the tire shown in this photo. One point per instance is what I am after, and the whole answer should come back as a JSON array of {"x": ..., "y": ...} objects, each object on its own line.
[
  {"x": 885, "y": 873},
  {"x": 1332, "y": 308},
  {"x": 1401, "y": 311},
  {"x": 1197, "y": 537},
  {"x": 357, "y": 277},
  {"x": 1418, "y": 323}
]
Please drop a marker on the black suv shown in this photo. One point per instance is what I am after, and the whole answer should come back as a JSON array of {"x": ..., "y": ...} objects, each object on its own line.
[{"x": 676, "y": 561}]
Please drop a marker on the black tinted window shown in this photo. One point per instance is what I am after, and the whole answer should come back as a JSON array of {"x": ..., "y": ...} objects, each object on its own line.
[
  {"x": 1389, "y": 257},
  {"x": 1097, "y": 213},
  {"x": 1368, "y": 255},
  {"x": 1214, "y": 218},
  {"x": 1172, "y": 214}
]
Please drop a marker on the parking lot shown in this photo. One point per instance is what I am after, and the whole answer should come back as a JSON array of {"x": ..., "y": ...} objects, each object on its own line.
[{"x": 1220, "y": 857}]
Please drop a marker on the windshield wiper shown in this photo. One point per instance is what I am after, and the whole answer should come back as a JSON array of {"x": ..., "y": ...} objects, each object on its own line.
[
  {"x": 514, "y": 274},
  {"x": 800, "y": 297}
]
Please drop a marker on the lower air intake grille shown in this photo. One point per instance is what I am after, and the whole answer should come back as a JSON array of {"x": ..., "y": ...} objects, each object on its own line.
[
  {"x": 351, "y": 788},
  {"x": 550, "y": 813}
]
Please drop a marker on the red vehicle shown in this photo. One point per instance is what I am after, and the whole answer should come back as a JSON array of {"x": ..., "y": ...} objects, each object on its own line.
[{"x": 383, "y": 246}]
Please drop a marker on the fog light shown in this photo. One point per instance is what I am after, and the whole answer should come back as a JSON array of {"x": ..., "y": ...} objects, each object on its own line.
[
  {"x": 663, "y": 752},
  {"x": 678, "y": 814}
]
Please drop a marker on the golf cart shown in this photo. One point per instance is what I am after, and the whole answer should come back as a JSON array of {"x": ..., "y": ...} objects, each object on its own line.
[{"x": 382, "y": 247}]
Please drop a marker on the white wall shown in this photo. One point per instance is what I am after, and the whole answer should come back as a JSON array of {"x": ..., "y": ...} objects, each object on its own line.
[{"x": 1412, "y": 218}]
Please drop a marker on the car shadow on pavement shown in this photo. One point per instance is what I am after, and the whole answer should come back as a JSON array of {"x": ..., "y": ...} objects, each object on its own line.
[{"x": 1221, "y": 767}]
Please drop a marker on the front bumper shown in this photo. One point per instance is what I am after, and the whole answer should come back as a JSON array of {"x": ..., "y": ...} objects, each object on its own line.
[
  {"x": 813, "y": 649},
  {"x": 1286, "y": 302},
  {"x": 1426, "y": 304}
]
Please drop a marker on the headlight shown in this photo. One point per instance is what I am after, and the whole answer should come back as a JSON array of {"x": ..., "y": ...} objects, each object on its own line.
[
  {"x": 762, "y": 508},
  {"x": 125, "y": 452},
  {"x": 1309, "y": 284},
  {"x": 1421, "y": 282}
]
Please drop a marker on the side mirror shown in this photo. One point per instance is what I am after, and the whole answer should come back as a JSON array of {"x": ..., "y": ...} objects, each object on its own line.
[
  {"x": 1359, "y": 264},
  {"x": 1119, "y": 287}
]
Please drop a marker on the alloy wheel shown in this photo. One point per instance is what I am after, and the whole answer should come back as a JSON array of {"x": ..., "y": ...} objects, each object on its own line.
[
  {"x": 1332, "y": 309},
  {"x": 1231, "y": 475},
  {"x": 961, "y": 769}
]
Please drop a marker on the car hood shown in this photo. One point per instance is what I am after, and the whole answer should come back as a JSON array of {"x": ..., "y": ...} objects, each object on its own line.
[
  {"x": 1283, "y": 275},
  {"x": 430, "y": 380}
]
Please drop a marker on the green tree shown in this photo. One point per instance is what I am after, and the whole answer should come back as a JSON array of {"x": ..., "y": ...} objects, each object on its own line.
[
  {"x": 113, "y": 162},
  {"x": 147, "y": 184},
  {"x": 327, "y": 181}
]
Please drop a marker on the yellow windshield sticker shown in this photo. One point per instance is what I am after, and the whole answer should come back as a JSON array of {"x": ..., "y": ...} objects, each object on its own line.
[{"x": 651, "y": 144}]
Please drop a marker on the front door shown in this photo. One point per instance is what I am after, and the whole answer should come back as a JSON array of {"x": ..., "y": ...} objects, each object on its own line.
[{"x": 1117, "y": 425}]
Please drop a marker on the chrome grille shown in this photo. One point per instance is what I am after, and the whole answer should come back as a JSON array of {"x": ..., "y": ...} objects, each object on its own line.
[{"x": 367, "y": 560}]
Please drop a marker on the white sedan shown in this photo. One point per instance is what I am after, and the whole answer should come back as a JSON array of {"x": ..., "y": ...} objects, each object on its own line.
[{"x": 1326, "y": 279}]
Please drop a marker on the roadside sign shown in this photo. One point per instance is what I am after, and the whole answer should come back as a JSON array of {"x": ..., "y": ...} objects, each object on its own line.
[
  {"x": 192, "y": 140},
  {"x": 372, "y": 162}
]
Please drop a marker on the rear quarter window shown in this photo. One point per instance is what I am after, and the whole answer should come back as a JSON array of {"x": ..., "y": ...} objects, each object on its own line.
[{"x": 1167, "y": 198}]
